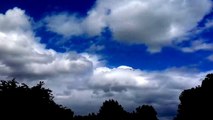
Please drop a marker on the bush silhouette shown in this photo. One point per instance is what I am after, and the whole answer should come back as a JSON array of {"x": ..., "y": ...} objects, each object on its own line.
[
  {"x": 145, "y": 112},
  {"x": 20, "y": 101},
  {"x": 196, "y": 103},
  {"x": 111, "y": 110}
]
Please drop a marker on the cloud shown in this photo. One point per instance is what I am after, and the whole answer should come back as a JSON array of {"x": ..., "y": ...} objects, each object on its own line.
[
  {"x": 95, "y": 48},
  {"x": 82, "y": 81},
  {"x": 133, "y": 87},
  {"x": 210, "y": 58},
  {"x": 69, "y": 25},
  {"x": 118, "y": 79},
  {"x": 209, "y": 24},
  {"x": 64, "y": 24},
  {"x": 155, "y": 23},
  {"x": 22, "y": 56},
  {"x": 14, "y": 20},
  {"x": 198, "y": 45}
]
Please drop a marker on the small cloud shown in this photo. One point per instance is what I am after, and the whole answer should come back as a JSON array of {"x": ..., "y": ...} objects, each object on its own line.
[
  {"x": 209, "y": 24},
  {"x": 95, "y": 48},
  {"x": 210, "y": 58},
  {"x": 64, "y": 24},
  {"x": 125, "y": 67}
]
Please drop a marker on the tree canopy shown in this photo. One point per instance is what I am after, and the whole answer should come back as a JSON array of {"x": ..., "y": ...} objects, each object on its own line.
[
  {"x": 111, "y": 109},
  {"x": 145, "y": 112},
  {"x": 196, "y": 103},
  {"x": 20, "y": 101}
]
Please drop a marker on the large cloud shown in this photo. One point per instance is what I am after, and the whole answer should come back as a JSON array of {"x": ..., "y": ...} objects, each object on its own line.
[
  {"x": 155, "y": 23},
  {"x": 22, "y": 56},
  {"x": 132, "y": 87},
  {"x": 82, "y": 81}
]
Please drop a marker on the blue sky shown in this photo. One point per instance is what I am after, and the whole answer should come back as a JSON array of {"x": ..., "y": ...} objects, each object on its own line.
[{"x": 135, "y": 51}]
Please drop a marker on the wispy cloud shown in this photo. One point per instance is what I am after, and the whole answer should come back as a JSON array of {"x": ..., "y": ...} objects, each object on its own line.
[
  {"x": 210, "y": 57},
  {"x": 198, "y": 45}
]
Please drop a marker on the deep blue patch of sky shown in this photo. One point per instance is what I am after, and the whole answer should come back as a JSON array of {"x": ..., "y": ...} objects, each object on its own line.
[{"x": 39, "y": 8}]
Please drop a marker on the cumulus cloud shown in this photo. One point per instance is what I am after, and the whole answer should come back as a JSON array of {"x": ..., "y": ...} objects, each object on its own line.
[
  {"x": 82, "y": 81},
  {"x": 155, "y": 23},
  {"x": 118, "y": 79},
  {"x": 14, "y": 20}
]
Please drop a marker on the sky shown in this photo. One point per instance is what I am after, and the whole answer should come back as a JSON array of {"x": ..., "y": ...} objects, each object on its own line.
[{"x": 88, "y": 51}]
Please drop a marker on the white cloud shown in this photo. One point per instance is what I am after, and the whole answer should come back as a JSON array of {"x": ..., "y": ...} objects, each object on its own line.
[
  {"x": 64, "y": 24},
  {"x": 119, "y": 79},
  {"x": 94, "y": 23},
  {"x": 69, "y": 25},
  {"x": 198, "y": 45},
  {"x": 155, "y": 23},
  {"x": 123, "y": 78},
  {"x": 14, "y": 20}
]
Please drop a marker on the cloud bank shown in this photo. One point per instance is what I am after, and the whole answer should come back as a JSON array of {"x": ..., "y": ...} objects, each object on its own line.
[
  {"x": 155, "y": 23},
  {"x": 81, "y": 80}
]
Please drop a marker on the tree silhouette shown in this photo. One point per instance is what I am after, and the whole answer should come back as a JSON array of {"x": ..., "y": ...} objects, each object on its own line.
[
  {"x": 145, "y": 112},
  {"x": 20, "y": 101},
  {"x": 91, "y": 116},
  {"x": 111, "y": 110},
  {"x": 196, "y": 103}
]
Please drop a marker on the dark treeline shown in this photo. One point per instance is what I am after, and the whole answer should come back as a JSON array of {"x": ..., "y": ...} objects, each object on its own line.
[
  {"x": 19, "y": 101},
  {"x": 112, "y": 110}
]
